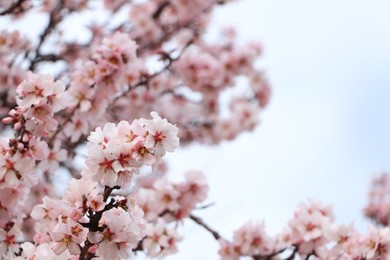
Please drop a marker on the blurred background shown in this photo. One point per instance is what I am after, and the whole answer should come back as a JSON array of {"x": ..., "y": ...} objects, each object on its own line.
[{"x": 325, "y": 132}]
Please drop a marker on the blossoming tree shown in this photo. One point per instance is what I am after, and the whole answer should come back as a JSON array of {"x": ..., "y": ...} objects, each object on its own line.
[{"x": 143, "y": 80}]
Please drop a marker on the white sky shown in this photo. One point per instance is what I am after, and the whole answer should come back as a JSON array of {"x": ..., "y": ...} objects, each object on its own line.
[{"x": 324, "y": 133}]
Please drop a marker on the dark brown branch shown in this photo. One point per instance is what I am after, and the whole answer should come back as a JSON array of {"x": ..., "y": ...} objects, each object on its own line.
[
  {"x": 13, "y": 7},
  {"x": 292, "y": 256},
  {"x": 206, "y": 206},
  {"x": 48, "y": 57},
  {"x": 309, "y": 255},
  {"x": 84, "y": 250},
  {"x": 145, "y": 80},
  {"x": 139, "y": 246},
  {"x": 200, "y": 222},
  {"x": 59, "y": 128},
  {"x": 217, "y": 236},
  {"x": 94, "y": 218},
  {"x": 53, "y": 21},
  {"x": 108, "y": 190},
  {"x": 160, "y": 9},
  {"x": 270, "y": 256}
]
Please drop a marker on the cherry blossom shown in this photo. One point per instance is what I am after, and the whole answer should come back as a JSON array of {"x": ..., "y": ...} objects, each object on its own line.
[
  {"x": 68, "y": 236},
  {"x": 87, "y": 123}
]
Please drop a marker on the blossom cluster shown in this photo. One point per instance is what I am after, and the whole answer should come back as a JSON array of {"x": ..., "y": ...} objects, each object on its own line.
[
  {"x": 85, "y": 222},
  {"x": 165, "y": 203},
  {"x": 39, "y": 98},
  {"x": 96, "y": 82},
  {"x": 146, "y": 56},
  {"x": 26, "y": 157},
  {"x": 11, "y": 74},
  {"x": 118, "y": 151},
  {"x": 311, "y": 233},
  {"x": 89, "y": 220},
  {"x": 378, "y": 207},
  {"x": 111, "y": 77}
]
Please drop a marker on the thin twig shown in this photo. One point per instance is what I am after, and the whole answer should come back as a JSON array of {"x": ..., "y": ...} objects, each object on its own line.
[
  {"x": 12, "y": 7},
  {"x": 160, "y": 9},
  {"x": 144, "y": 80},
  {"x": 67, "y": 119},
  {"x": 200, "y": 222},
  {"x": 53, "y": 20},
  {"x": 206, "y": 206},
  {"x": 270, "y": 256}
]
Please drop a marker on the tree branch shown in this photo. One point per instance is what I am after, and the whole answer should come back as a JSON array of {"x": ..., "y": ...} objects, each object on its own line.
[
  {"x": 53, "y": 20},
  {"x": 12, "y": 7},
  {"x": 59, "y": 128},
  {"x": 160, "y": 9},
  {"x": 84, "y": 250},
  {"x": 108, "y": 190},
  {"x": 200, "y": 222}
]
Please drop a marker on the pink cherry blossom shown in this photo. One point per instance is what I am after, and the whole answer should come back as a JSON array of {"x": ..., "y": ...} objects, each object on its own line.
[
  {"x": 9, "y": 238},
  {"x": 161, "y": 135},
  {"x": 142, "y": 56},
  {"x": 35, "y": 89},
  {"x": 68, "y": 236},
  {"x": 121, "y": 235}
]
